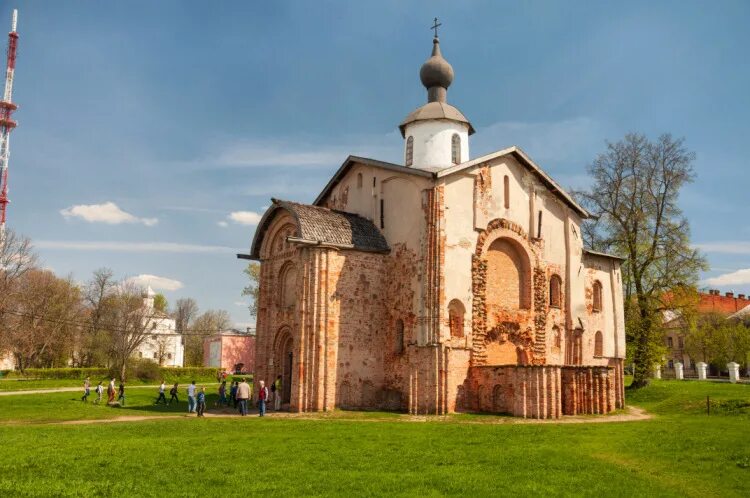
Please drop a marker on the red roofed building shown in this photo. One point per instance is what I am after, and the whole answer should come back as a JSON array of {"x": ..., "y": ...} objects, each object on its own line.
[{"x": 713, "y": 301}]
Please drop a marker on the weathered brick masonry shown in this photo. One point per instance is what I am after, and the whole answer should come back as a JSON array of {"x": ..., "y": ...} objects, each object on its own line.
[{"x": 447, "y": 284}]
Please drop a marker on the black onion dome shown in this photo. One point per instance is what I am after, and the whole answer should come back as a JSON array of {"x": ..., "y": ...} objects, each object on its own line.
[{"x": 436, "y": 72}]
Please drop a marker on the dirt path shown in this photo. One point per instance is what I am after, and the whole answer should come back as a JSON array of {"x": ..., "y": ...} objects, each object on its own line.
[
  {"x": 632, "y": 414},
  {"x": 62, "y": 390}
]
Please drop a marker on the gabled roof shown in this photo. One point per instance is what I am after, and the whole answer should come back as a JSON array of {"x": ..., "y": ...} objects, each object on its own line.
[
  {"x": 352, "y": 160},
  {"x": 320, "y": 225},
  {"x": 526, "y": 161},
  {"x": 516, "y": 152}
]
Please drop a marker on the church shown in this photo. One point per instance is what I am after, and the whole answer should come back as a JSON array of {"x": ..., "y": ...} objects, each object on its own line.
[{"x": 445, "y": 283}]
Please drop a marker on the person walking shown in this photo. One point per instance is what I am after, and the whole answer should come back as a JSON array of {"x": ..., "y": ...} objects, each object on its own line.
[
  {"x": 233, "y": 394},
  {"x": 191, "y": 397},
  {"x": 121, "y": 394},
  {"x": 162, "y": 396},
  {"x": 173, "y": 394},
  {"x": 86, "y": 390},
  {"x": 111, "y": 391},
  {"x": 222, "y": 394},
  {"x": 201, "y": 401},
  {"x": 277, "y": 395},
  {"x": 99, "y": 391},
  {"x": 262, "y": 397},
  {"x": 243, "y": 395}
]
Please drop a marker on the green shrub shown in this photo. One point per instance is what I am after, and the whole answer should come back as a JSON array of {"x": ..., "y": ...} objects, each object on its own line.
[{"x": 145, "y": 370}]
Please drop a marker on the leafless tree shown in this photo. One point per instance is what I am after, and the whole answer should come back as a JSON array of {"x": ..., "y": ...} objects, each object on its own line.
[
  {"x": 41, "y": 325},
  {"x": 128, "y": 323},
  {"x": 634, "y": 196},
  {"x": 207, "y": 324},
  {"x": 16, "y": 258},
  {"x": 162, "y": 349},
  {"x": 185, "y": 311},
  {"x": 92, "y": 343}
]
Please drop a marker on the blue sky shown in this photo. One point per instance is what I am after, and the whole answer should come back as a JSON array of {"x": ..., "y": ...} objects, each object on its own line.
[{"x": 167, "y": 117}]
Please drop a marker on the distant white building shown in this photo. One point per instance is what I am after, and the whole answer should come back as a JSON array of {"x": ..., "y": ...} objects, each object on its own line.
[{"x": 163, "y": 344}]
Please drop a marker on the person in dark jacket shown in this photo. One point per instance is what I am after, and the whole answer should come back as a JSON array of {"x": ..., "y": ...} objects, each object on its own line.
[{"x": 201, "y": 398}]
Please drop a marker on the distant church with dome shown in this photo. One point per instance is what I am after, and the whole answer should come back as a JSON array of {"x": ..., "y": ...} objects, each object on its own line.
[{"x": 445, "y": 283}]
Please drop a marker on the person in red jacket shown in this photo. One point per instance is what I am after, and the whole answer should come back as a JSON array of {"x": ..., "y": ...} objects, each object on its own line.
[{"x": 262, "y": 397}]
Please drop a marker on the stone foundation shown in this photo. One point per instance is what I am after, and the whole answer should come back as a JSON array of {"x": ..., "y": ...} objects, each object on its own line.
[{"x": 544, "y": 392}]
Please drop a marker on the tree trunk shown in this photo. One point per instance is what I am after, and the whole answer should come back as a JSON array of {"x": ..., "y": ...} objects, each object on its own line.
[{"x": 642, "y": 358}]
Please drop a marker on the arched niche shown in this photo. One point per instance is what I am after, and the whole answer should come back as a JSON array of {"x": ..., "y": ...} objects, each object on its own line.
[
  {"x": 456, "y": 318},
  {"x": 508, "y": 275}
]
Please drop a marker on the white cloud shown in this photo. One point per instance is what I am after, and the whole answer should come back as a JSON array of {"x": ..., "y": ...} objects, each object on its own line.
[
  {"x": 725, "y": 247},
  {"x": 108, "y": 212},
  {"x": 250, "y": 218},
  {"x": 222, "y": 224},
  {"x": 156, "y": 282},
  {"x": 170, "y": 247},
  {"x": 739, "y": 277}
]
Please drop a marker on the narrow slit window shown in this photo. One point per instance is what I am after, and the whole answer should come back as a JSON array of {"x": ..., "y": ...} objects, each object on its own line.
[
  {"x": 539, "y": 226},
  {"x": 359, "y": 180},
  {"x": 409, "y": 151},
  {"x": 506, "y": 192},
  {"x": 382, "y": 213}
]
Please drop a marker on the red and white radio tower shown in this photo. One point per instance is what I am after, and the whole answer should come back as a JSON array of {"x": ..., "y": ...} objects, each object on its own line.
[{"x": 7, "y": 124}]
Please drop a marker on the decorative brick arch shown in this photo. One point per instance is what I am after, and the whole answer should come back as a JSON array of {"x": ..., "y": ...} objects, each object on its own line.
[{"x": 529, "y": 336}]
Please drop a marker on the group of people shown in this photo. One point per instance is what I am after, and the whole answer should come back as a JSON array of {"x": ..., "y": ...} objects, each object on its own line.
[
  {"x": 240, "y": 394},
  {"x": 99, "y": 390}
]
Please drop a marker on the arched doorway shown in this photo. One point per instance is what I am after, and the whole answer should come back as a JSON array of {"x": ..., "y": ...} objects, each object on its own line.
[{"x": 284, "y": 361}]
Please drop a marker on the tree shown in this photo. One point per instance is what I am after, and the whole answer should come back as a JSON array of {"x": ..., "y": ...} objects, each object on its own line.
[
  {"x": 636, "y": 186},
  {"x": 16, "y": 258},
  {"x": 253, "y": 288},
  {"x": 160, "y": 303},
  {"x": 128, "y": 324},
  {"x": 162, "y": 349},
  {"x": 99, "y": 294},
  {"x": 185, "y": 312},
  {"x": 42, "y": 321},
  {"x": 209, "y": 323}
]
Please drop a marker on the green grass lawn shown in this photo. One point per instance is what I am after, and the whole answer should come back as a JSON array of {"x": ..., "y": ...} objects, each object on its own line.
[{"x": 680, "y": 452}]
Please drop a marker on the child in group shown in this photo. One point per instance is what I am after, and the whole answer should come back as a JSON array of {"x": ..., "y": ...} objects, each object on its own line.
[
  {"x": 201, "y": 401},
  {"x": 222, "y": 394},
  {"x": 99, "y": 392},
  {"x": 86, "y": 390},
  {"x": 121, "y": 394},
  {"x": 162, "y": 397},
  {"x": 173, "y": 393},
  {"x": 111, "y": 391},
  {"x": 233, "y": 393}
]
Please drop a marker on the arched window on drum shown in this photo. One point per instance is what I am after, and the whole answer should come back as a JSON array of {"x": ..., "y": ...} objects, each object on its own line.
[{"x": 455, "y": 149}]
